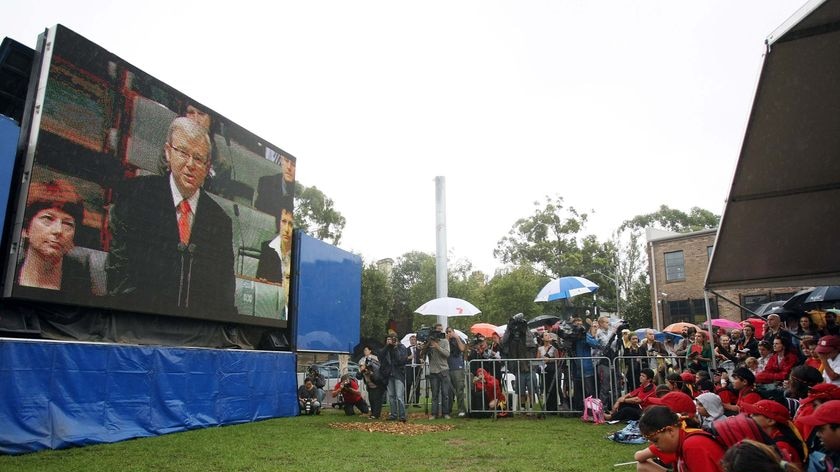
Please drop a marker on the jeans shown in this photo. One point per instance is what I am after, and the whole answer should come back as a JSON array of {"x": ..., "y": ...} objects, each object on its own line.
[
  {"x": 457, "y": 379},
  {"x": 396, "y": 397},
  {"x": 441, "y": 403}
]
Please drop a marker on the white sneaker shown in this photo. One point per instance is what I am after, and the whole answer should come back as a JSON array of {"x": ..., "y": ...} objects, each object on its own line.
[
  {"x": 447, "y": 417},
  {"x": 461, "y": 414}
]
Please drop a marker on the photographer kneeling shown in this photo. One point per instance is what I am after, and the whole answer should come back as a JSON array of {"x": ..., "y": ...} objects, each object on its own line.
[
  {"x": 308, "y": 398},
  {"x": 349, "y": 389}
]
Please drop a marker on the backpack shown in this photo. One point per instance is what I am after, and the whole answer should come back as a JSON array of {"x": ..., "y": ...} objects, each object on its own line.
[{"x": 593, "y": 410}]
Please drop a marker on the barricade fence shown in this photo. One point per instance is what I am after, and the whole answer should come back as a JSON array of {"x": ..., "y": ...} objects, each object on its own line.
[{"x": 537, "y": 386}]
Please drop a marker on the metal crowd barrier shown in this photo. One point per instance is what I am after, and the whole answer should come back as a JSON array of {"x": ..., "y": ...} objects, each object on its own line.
[{"x": 626, "y": 369}]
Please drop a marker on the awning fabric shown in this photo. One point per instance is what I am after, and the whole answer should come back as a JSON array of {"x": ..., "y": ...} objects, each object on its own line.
[{"x": 781, "y": 224}]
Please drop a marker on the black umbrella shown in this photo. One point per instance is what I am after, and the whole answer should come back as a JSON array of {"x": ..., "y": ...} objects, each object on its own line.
[
  {"x": 797, "y": 301},
  {"x": 543, "y": 320},
  {"x": 826, "y": 293}
]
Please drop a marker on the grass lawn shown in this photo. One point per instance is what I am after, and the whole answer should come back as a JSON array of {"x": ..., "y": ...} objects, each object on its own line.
[{"x": 333, "y": 442}]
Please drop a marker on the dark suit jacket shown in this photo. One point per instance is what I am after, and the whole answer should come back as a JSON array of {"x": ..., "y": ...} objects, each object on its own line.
[
  {"x": 273, "y": 194},
  {"x": 147, "y": 267},
  {"x": 269, "y": 267}
]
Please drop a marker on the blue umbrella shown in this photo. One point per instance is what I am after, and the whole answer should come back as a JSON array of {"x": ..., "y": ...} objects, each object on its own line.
[
  {"x": 658, "y": 335},
  {"x": 565, "y": 287}
]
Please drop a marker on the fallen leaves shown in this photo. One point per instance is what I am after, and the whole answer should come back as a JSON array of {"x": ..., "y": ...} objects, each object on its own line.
[{"x": 393, "y": 427}]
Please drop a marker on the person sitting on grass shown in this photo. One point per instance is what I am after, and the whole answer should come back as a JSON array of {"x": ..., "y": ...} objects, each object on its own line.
[
  {"x": 629, "y": 406},
  {"x": 753, "y": 456},
  {"x": 348, "y": 388},
  {"x": 684, "y": 406},
  {"x": 695, "y": 450},
  {"x": 774, "y": 419}
]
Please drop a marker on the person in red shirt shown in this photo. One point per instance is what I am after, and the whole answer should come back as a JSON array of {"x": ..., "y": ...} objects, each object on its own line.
[
  {"x": 681, "y": 404},
  {"x": 742, "y": 381},
  {"x": 817, "y": 395},
  {"x": 349, "y": 389},
  {"x": 774, "y": 419},
  {"x": 780, "y": 363},
  {"x": 629, "y": 406},
  {"x": 696, "y": 450}
]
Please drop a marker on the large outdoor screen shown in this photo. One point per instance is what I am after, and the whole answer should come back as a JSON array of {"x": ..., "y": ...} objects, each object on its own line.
[{"x": 137, "y": 197}]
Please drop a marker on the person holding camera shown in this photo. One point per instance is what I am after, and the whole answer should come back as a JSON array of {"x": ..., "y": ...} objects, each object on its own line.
[
  {"x": 437, "y": 349},
  {"x": 348, "y": 388},
  {"x": 370, "y": 371},
  {"x": 308, "y": 399},
  {"x": 392, "y": 359},
  {"x": 457, "y": 376}
]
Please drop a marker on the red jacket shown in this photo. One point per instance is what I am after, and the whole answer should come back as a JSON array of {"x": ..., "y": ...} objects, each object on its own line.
[
  {"x": 776, "y": 370},
  {"x": 698, "y": 452}
]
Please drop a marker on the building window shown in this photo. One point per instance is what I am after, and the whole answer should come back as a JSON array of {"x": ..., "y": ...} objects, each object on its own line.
[
  {"x": 752, "y": 302},
  {"x": 709, "y": 251},
  {"x": 674, "y": 266},
  {"x": 782, "y": 297}
]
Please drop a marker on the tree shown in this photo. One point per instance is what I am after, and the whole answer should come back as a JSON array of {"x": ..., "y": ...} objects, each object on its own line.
[
  {"x": 413, "y": 283},
  {"x": 550, "y": 243},
  {"x": 316, "y": 215},
  {"x": 377, "y": 301},
  {"x": 510, "y": 293},
  {"x": 671, "y": 219}
]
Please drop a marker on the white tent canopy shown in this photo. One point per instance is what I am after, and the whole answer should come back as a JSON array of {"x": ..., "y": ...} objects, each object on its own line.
[{"x": 781, "y": 224}]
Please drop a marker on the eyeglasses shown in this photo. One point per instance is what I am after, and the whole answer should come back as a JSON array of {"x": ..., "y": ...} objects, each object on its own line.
[
  {"x": 197, "y": 159},
  {"x": 652, "y": 437}
]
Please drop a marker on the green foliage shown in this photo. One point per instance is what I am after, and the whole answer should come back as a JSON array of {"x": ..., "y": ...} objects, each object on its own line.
[
  {"x": 377, "y": 300},
  {"x": 413, "y": 283},
  {"x": 319, "y": 443},
  {"x": 671, "y": 219},
  {"x": 548, "y": 240},
  {"x": 636, "y": 309},
  {"x": 510, "y": 293},
  {"x": 315, "y": 214}
]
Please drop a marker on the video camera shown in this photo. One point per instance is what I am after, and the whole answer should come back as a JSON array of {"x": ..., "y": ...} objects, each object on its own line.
[{"x": 425, "y": 333}]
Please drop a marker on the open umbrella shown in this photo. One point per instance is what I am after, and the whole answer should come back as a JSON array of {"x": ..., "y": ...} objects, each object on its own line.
[
  {"x": 484, "y": 329},
  {"x": 448, "y": 306},
  {"x": 677, "y": 328},
  {"x": 757, "y": 324},
  {"x": 724, "y": 323},
  {"x": 657, "y": 335},
  {"x": 543, "y": 320},
  {"x": 565, "y": 287},
  {"x": 829, "y": 293}
]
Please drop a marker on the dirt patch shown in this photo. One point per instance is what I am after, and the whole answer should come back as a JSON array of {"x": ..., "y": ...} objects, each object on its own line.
[{"x": 394, "y": 427}]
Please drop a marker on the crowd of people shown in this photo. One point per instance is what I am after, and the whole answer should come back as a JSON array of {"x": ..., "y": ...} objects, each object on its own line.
[{"x": 771, "y": 404}]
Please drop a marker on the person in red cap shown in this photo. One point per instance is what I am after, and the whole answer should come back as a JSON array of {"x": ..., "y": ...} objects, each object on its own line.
[
  {"x": 817, "y": 395},
  {"x": 827, "y": 349},
  {"x": 696, "y": 450},
  {"x": 826, "y": 421},
  {"x": 681, "y": 404},
  {"x": 774, "y": 419}
]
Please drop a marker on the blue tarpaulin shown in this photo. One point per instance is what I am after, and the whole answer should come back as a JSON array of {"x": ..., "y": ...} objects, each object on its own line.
[{"x": 60, "y": 394}]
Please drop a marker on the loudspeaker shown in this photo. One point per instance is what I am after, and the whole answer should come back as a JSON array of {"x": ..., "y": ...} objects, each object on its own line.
[{"x": 274, "y": 341}]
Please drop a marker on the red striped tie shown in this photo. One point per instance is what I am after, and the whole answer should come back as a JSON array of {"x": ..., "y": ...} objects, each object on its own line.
[{"x": 184, "y": 221}]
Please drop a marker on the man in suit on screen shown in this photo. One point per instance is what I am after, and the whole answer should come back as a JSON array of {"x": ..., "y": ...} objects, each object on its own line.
[{"x": 171, "y": 249}]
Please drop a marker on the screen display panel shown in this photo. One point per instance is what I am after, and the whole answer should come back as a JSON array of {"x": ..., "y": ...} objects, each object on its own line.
[{"x": 138, "y": 197}]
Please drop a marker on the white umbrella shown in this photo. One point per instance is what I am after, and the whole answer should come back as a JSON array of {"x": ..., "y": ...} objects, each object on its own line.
[{"x": 448, "y": 306}]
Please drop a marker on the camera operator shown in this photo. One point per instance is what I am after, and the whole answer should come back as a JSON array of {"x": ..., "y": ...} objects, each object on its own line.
[
  {"x": 370, "y": 371},
  {"x": 318, "y": 380},
  {"x": 307, "y": 395},
  {"x": 349, "y": 389},
  {"x": 413, "y": 370},
  {"x": 456, "y": 371},
  {"x": 437, "y": 349},
  {"x": 392, "y": 359}
]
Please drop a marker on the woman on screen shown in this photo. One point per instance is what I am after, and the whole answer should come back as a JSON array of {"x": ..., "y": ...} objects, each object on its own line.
[{"x": 53, "y": 211}]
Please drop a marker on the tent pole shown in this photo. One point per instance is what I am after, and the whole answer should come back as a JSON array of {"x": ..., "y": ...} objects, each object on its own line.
[{"x": 711, "y": 329}]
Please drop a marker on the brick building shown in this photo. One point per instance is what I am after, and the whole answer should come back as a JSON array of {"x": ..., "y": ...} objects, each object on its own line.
[{"x": 677, "y": 265}]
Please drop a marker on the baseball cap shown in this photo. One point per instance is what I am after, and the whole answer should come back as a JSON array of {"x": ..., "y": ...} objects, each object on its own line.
[
  {"x": 769, "y": 408},
  {"x": 828, "y": 344},
  {"x": 827, "y": 413},
  {"x": 744, "y": 374},
  {"x": 678, "y": 402},
  {"x": 688, "y": 377},
  {"x": 821, "y": 391}
]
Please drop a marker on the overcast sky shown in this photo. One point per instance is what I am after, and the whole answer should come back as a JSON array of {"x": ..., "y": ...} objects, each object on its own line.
[{"x": 618, "y": 106}]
